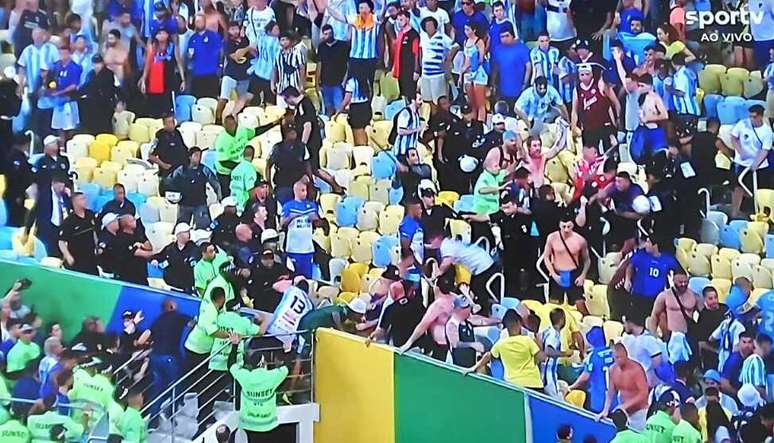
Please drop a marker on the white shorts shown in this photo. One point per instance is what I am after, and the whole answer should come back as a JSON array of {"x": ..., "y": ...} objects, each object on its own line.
[
  {"x": 228, "y": 84},
  {"x": 433, "y": 87},
  {"x": 637, "y": 420},
  {"x": 65, "y": 116},
  {"x": 678, "y": 348},
  {"x": 551, "y": 389}
]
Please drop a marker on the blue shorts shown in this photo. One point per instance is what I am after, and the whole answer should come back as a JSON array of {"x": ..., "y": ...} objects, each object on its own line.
[{"x": 302, "y": 263}]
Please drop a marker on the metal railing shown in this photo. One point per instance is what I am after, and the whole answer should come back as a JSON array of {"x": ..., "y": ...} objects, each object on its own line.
[
  {"x": 212, "y": 386},
  {"x": 98, "y": 432},
  {"x": 754, "y": 192}
]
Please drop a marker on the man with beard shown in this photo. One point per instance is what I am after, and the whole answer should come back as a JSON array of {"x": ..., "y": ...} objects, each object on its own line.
[
  {"x": 116, "y": 55},
  {"x": 595, "y": 109},
  {"x": 98, "y": 95}
]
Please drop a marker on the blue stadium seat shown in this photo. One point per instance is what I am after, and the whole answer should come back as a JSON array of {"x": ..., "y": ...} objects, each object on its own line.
[
  {"x": 91, "y": 191},
  {"x": 697, "y": 284},
  {"x": 208, "y": 158},
  {"x": 136, "y": 198},
  {"x": 101, "y": 201},
  {"x": 3, "y": 213},
  {"x": 8, "y": 254},
  {"x": 382, "y": 250},
  {"x": 346, "y": 211},
  {"x": 396, "y": 195},
  {"x": 464, "y": 204},
  {"x": 711, "y": 102},
  {"x": 769, "y": 246},
  {"x": 6, "y": 237},
  {"x": 183, "y": 104},
  {"x": 154, "y": 271},
  {"x": 727, "y": 110},
  {"x": 383, "y": 166},
  {"x": 39, "y": 250},
  {"x": 729, "y": 234},
  {"x": 393, "y": 108}
]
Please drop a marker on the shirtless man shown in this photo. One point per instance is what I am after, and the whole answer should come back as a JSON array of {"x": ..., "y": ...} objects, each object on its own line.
[
  {"x": 627, "y": 379},
  {"x": 434, "y": 321},
  {"x": 564, "y": 253},
  {"x": 536, "y": 160},
  {"x": 671, "y": 313},
  {"x": 116, "y": 55}
]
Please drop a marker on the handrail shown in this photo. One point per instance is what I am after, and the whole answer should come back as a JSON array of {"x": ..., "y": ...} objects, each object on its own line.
[
  {"x": 755, "y": 184},
  {"x": 706, "y": 192},
  {"x": 491, "y": 280},
  {"x": 62, "y": 405}
]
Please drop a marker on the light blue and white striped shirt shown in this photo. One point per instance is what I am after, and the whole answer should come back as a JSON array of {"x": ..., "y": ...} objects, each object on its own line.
[
  {"x": 566, "y": 68},
  {"x": 35, "y": 59},
  {"x": 353, "y": 87},
  {"x": 546, "y": 60},
  {"x": 268, "y": 50},
  {"x": 550, "y": 338},
  {"x": 753, "y": 371},
  {"x": 685, "y": 81},
  {"x": 407, "y": 119},
  {"x": 364, "y": 41},
  {"x": 535, "y": 106},
  {"x": 434, "y": 53}
]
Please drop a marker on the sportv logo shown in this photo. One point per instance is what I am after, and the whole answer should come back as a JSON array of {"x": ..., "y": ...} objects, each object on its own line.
[{"x": 709, "y": 18}]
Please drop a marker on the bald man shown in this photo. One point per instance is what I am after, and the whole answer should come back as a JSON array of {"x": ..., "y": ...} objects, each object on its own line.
[
  {"x": 627, "y": 379},
  {"x": 299, "y": 218}
]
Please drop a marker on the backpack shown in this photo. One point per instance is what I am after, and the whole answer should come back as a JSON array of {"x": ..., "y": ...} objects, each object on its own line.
[{"x": 394, "y": 131}]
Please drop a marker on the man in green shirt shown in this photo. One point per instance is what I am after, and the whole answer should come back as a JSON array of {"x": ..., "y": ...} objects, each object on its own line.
[
  {"x": 131, "y": 425},
  {"x": 687, "y": 430},
  {"x": 208, "y": 267},
  {"x": 258, "y": 405},
  {"x": 660, "y": 425},
  {"x": 486, "y": 193},
  {"x": 228, "y": 146},
  {"x": 24, "y": 351},
  {"x": 243, "y": 178},
  {"x": 332, "y": 316},
  {"x": 231, "y": 321},
  {"x": 91, "y": 385},
  {"x": 623, "y": 433},
  {"x": 40, "y": 425},
  {"x": 14, "y": 431}
]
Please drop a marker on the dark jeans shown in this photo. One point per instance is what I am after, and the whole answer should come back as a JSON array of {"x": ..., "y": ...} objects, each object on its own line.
[
  {"x": 166, "y": 371},
  {"x": 200, "y": 214},
  {"x": 49, "y": 235},
  {"x": 281, "y": 434}
]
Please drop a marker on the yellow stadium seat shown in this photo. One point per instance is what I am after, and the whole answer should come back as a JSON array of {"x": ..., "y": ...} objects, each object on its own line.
[
  {"x": 731, "y": 86},
  {"x": 23, "y": 249},
  {"x": 379, "y": 191},
  {"x": 721, "y": 267},
  {"x": 460, "y": 229},
  {"x": 260, "y": 166},
  {"x": 389, "y": 221},
  {"x": 362, "y": 156},
  {"x": 329, "y": 293},
  {"x": 361, "y": 247},
  {"x": 148, "y": 186},
  {"x": 189, "y": 130},
  {"x": 576, "y": 397},
  {"x": 378, "y": 134},
  {"x": 556, "y": 172},
  {"x": 590, "y": 321},
  {"x": 563, "y": 192},
  {"x": 324, "y": 241},
  {"x": 109, "y": 139},
  {"x": 447, "y": 198},
  {"x": 686, "y": 244},
  {"x": 208, "y": 102},
  {"x": 345, "y": 297},
  {"x": 729, "y": 253},
  {"x": 339, "y": 156},
  {"x": 389, "y": 88},
  {"x": 596, "y": 301},
  {"x": 762, "y": 277},
  {"x": 106, "y": 178},
  {"x": 751, "y": 241},
  {"x": 374, "y": 206},
  {"x": 328, "y": 204},
  {"x": 129, "y": 180},
  {"x": 698, "y": 265},
  {"x": 257, "y": 146},
  {"x": 768, "y": 263},
  {"x": 710, "y": 81},
  {"x": 738, "y": 73},
  {"x": 139, "y": 133},
  {"x": 461, "y": 274},
  {"x": 130, "y": 146},
  {"x": 752, "y": 259},
  {"x": 756, "y": 294},
  {"x": 706, "y": 249},
  {"x": 202, "y": 114},
  {"x": 613, "y": 330},
  {"x": 335, "y": 131},
  {"x": 716, "y": 68},
  {"x": 113, "y": 166},
  {"x": 722, "y": 286},
  {"x": 752, "y": 87},
  {"x": 367, "y": 282},
  {"x": 682, "y": 257},
  {"x": 120, "y": 154},
  {"x": 360, "y": 268},
  {"x": 99, "y": 151},
  {"x": 340, "y": 245},
  {"x": 359, "y": 187},
  {"x": 740, "y": 268},
  {"x": 606, "y": 268},
  {"x": 367, "y": 219}
]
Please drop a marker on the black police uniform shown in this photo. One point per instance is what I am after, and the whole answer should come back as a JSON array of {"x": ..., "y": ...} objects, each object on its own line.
[
  {"x": 18, "y": 177},
  {"x": 463, "y": 138},
  {"x": 178, "y": 265},
  {"x": 78, "y": 232},
  {"x": 260, "y": 285},
  {"x": 128, "y": 267},
  {"x": 46, "y": 167},
  {"x": 107, "y": 255},
  {"x": 170, "y": 148},
  {"x": 223, "y": 230}
]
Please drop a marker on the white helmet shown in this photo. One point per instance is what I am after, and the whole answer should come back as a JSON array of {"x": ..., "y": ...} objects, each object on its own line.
[
  {"x": 468, "y": 163},
  {"x": 641, "y": 205}
]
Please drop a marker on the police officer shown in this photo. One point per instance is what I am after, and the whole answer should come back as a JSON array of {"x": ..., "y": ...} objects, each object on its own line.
[
  {"x": 191, "y": 180},
  {"x": 463, "y": 138},
  {"x": 49, "y": 164},
  {"x": 169, "y": 151},
  {"x": 178, "y": 259},
  {"x": 493, "y": 138},
  {"x": 224, "y": 226},
  {"x": 18, "y": 177},
  {"x": 107, "y": 243},
  {"x": 77, "y": 238},
  {"x": 133, "y": 252}
]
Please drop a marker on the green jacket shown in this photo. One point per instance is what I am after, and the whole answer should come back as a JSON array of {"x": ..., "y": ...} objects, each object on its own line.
[
  {"x": 229, "y": 149},
  {"x": 243, "y": 179}
]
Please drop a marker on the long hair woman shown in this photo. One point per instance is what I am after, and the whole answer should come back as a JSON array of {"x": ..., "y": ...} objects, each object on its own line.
[
  {"x": 669, "y": 37},
  {"x": 473, "y": 77}
]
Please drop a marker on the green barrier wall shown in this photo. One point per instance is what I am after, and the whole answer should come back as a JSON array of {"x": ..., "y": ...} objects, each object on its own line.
[{"x": 430, "y": 398}]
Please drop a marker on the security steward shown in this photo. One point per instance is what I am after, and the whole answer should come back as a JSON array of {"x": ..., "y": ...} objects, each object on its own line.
[
  {"x": 49, "y": 164},
  {"x": 107, "y": 243},
  {"x": 169, "y": 151},
  {"x": 18, "y": 177},
  {"x": 178, "y": 259},
  {"x": 77, "y": 237}
]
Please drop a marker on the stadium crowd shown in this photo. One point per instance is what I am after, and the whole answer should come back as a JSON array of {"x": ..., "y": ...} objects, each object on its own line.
[{"x": 516, "y": 188}]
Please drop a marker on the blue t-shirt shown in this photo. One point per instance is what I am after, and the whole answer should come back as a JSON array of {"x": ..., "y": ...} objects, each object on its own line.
[
  {"x": 204, "y": 52},
  {"x": 511, "y": 60},
  {"x": 411, "y": 230},
  {"x": 5, "y": 347},
  {"x": 623, "y": 199},
  {"x": 66, "y": 75},
  {"x": 494, "y": 34},
  {"x": 597, "y": 365},
  {"x": 650, "y": 273},
  {"x": 683, "y": 391},
  {"x": 459, "y": 20},
  {"x": 610, "y": 74},
  {"x": 732, "y": 369},
  {"x": 766, "y": 305},
  {"x": 169, "y": 24},
  {"x": 627, "y": 16}
]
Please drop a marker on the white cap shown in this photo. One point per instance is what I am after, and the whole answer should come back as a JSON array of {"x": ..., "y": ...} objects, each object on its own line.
[
  {"x": 749, "y": 396},
  {"x": 229, "y": 201},
  {"x": 108, "y": 218},
  {"x": 427, "y": 184},
  {"x": 51, "y": 140},
  {"x": 498, "y": 119},
  {"x": 358, "y": 305},
  {"x": 269, "y": 234},
  {"x": 182, "y": 227}
]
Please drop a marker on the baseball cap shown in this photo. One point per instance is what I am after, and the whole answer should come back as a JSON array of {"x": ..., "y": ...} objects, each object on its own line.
[
  {"x": 669, "y": 398},
  {"x": 96, "y": 58},
  {"x": 713, "y": 375},
  {"x": 51, "y": 140},
  {"x": 26, "y": 328},
  {"x": 498, "y": 119},
  {"x": 466, "y": 108},
  {"x": 229, "y": 201},
  {"x": 128, "y": 314},
  {"x": 426, "y": 186},
  {"x": 358, "y": 305},
  {"x": 391, "y": 273},
  {"x": 268, "y": 253},
  {"x": 269, "y": 235},
  {"x": 749, "y": 396},
  {"x": 182, "y": 227},
  {"x": 581, "y": 44},
  {"x": 108, "y": 218}
]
